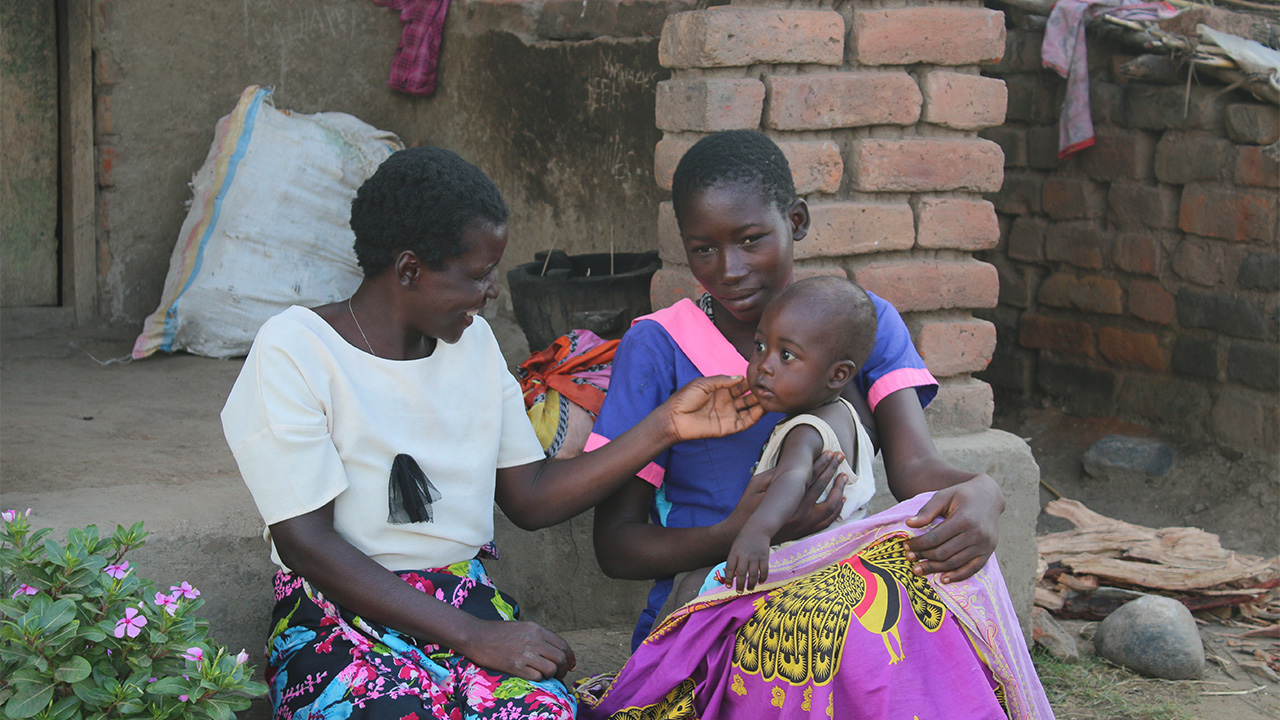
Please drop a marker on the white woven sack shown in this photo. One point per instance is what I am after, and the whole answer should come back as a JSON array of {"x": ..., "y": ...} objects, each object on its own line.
[{"x": 268, "y": 226}]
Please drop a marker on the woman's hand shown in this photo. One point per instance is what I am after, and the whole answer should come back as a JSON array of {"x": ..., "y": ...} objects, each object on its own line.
[
  {"x": 712, "y": 407},
  {"x": 523, "y": 649},
  {"x": 960, "y": 545}
]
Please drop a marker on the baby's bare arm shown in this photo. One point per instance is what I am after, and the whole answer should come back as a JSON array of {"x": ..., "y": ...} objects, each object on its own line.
[{"x": 800, "y": 449}]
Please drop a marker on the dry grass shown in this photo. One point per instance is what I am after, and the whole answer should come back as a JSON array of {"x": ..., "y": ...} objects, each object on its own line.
[{"x": 1094, "y": 689}]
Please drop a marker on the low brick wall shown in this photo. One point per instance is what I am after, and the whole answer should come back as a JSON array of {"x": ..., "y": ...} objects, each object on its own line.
[{"x": 1139, "y": 278}]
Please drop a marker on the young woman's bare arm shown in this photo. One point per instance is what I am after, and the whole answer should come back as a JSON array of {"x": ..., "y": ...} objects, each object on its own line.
[{"x": 970, "y": 503}]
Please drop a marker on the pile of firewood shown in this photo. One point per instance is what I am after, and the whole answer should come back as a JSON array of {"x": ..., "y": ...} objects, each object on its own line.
[
  {"x": 1102, "y": 563},
  {"x": 1235, "y": 46}
]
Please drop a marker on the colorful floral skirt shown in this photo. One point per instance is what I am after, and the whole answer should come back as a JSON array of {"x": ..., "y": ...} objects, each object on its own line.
[
  {"x": 842, "y": 630},
  {"x": 325, "y": 662}
]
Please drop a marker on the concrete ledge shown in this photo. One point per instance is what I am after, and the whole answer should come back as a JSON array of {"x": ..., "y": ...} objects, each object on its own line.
[
  {"x": 569, "y": 19},
  {"x": 25, "y": 322},
  {"x": 554, "y": 576}
]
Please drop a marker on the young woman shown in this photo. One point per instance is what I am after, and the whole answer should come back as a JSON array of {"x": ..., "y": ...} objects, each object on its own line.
[
  {"x": 739, "y": 218},
  {"x": 848, "y": 624}
]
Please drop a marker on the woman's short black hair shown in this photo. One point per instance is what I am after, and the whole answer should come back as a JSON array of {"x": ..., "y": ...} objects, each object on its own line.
[
  {"x": 734, "y": 157},
  {"x": 421, "y": 199}
]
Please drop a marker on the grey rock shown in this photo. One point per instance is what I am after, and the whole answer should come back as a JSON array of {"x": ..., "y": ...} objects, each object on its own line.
[
  {"x": 1154, "y": 636},
  {"x": 1047, "y": 633},
  {"x": 1122, "y": 456}
]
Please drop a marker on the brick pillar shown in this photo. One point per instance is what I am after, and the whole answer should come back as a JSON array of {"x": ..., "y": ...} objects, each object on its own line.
[{"x": 877, "y": 110}]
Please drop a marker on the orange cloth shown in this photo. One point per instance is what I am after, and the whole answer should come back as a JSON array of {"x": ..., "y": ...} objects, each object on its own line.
[{"x": 576, "y": 365}]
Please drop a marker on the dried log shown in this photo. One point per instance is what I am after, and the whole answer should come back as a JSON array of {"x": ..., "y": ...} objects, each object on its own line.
[
  {"x": 1178, "y": 558},
  {"x": 1048, "y": 599},
  {"x": 1152, "y": 68},
  {"x": 1078, "y": 583},
  {"x": 1253, "y": 27},
  {"x": 1151, "y": 575}
]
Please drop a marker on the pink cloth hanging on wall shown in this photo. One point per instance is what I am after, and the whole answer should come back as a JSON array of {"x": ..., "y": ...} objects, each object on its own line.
[
  {"x": 413, "y": 69},
  {"x": 1065, "y": 52}
]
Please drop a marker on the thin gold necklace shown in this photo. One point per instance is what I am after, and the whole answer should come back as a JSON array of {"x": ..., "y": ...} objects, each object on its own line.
[{"x": 357, "y": 322}]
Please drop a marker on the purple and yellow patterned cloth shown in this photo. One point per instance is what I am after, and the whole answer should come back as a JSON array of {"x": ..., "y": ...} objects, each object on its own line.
[{"x": 843, "y": 629}]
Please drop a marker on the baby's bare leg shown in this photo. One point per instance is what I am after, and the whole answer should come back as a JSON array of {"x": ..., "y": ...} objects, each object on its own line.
[{"x": 686, "y": 587}]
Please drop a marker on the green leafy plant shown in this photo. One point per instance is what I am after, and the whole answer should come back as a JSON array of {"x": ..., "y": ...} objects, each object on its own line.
[{"x": 82, "y": 636}]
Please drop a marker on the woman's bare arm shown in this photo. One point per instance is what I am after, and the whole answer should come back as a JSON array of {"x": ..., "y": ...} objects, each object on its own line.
[{"x": 542, "y": 493}]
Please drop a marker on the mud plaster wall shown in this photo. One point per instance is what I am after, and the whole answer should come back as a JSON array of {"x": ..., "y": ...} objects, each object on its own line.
[
  {"x": 553, "y": 100},
  {"x": 1139, "y": 278}
]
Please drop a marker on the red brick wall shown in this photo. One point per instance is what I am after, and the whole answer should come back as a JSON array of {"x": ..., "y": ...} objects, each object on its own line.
[
  {"x": 1138, "y": 278},
  {"x": 878, "y": 111}
]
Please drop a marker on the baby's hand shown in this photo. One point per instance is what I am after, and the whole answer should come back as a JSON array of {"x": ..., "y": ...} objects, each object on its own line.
[{"x": 748, "y": 563}]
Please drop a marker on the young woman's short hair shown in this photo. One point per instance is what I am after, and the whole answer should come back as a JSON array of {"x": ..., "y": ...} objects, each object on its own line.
[
  {"x": 734, "y": 157},
  {"x": 421, "y": 199}
]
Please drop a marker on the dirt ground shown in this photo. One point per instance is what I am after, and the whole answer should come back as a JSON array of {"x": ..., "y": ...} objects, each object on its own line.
[{"x": 1236, "y": 498}]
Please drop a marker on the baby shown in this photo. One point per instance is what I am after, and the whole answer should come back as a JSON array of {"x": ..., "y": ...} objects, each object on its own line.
[{"x": 809, "y": 344}]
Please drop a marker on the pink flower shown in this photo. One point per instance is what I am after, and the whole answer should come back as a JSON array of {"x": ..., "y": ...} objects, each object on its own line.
[
  {"x": 183, "y": 698},
  {"x": 131, "y": 624},
  {"x": 168, "y": 602},
  {"x": 9, "y": 515},
  {"x": 242, "y": 657},
  {"x": 117, "y": 571},
  {"x": 24, "y": 589},
  {"x": 185, "y": 590},
  {"x": 194, "y": 654}
]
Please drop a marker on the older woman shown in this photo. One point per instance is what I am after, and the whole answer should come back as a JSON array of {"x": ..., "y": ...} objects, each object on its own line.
[{"x": 375, "y": 435}]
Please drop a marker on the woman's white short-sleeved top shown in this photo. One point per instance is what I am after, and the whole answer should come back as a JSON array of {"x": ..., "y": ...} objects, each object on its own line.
[{"x": 313, "y": 419}]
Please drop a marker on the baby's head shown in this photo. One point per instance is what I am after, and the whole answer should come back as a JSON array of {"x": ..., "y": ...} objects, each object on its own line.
[
  {"x": 423, "y": 199},
  {"x": 810, "y": 343}
]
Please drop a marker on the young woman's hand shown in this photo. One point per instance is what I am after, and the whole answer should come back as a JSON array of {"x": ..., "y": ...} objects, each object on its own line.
[
  {"x": 523, "y": 649},
  {"x": 959, "y": 546},
  {"x": 712, "y": 407}
]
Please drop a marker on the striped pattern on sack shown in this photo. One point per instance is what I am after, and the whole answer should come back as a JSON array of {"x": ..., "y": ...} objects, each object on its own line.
[{"x": 232, "y": 141}]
